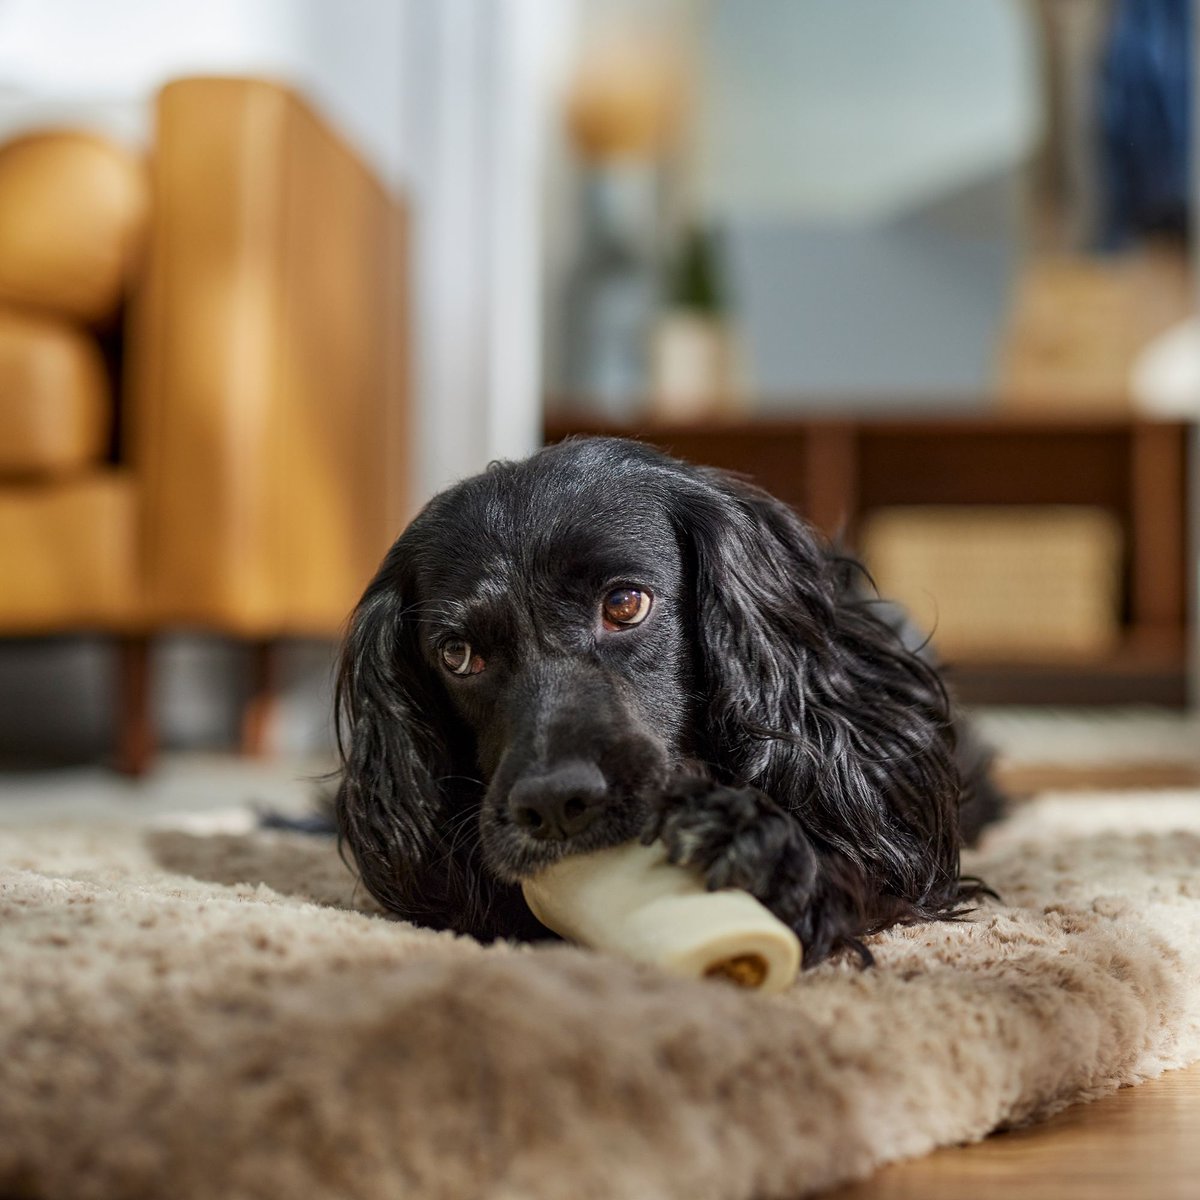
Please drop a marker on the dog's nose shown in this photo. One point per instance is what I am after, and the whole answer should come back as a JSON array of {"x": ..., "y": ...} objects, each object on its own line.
[{"x": 559, "y": 803}]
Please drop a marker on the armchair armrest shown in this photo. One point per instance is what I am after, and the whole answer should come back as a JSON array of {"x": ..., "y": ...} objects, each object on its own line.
[{"x": 263, "y": 408}]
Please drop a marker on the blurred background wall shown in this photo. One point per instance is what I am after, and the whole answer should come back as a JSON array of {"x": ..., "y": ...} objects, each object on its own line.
[
  {"x": 98, "y": 65},
  {"x": 849, "y": 154},
  {"x": 879, "y": 147}
]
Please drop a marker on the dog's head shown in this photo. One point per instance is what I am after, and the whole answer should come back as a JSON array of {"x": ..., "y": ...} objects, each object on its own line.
[
  {"x": 519, "y": 673},
  {"x": 548, "y": 640}
]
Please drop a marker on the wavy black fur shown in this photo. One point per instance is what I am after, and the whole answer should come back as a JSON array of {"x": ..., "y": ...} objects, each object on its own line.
[{"x": 770, "y": 720}]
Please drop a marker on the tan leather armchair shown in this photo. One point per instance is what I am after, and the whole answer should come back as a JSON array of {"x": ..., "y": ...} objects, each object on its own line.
[{"x": 201, "y": 381}]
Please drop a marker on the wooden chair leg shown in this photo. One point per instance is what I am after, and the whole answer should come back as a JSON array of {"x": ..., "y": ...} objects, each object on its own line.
[
  {"x": 135, "y": 721},
  {"x": 259, "y": 712}
]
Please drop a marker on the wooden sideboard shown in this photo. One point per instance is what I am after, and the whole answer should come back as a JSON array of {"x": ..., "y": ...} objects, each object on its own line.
[{"x": 837, "y": 471}]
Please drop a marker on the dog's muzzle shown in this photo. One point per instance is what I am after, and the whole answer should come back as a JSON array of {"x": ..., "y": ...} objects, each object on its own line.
[{"x": 574, "y": 772}]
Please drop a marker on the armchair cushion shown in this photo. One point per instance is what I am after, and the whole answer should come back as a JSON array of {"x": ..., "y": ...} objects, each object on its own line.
[
  {"x": 73, "y": 209},
  {"x": 55, "y": 398},
  {"x": 263, "y": 365},
  {"x": 69, "y": 553}
]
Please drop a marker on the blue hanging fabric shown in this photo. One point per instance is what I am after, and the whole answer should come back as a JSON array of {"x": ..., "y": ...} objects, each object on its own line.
[{"x": 1145, "y": 120}]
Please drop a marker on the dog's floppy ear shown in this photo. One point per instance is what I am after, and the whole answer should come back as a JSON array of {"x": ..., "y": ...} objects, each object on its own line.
[
  {"x": 813, "y": 698},
  {"x": 392, "y": 811}
]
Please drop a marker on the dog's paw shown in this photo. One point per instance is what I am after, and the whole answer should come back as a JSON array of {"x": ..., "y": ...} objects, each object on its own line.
[{"x": 736, "y": 837}]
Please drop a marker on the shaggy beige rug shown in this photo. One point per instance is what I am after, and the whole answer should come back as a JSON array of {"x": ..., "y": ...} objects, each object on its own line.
[{"x": 194, "y": 1015}]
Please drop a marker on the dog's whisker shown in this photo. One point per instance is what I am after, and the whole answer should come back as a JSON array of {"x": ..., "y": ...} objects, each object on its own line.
[{"x": 463, "y": 778}]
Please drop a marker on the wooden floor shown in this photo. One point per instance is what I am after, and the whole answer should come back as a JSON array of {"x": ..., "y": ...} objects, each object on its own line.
[{"x": 1142, "y": 1143}]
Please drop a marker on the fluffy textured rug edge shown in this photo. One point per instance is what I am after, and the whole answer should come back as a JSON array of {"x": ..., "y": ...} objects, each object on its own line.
[{"x": 199, "y": 1015}]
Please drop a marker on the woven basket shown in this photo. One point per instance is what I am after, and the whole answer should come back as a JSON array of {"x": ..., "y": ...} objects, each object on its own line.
[{"x": 1030, "y": 584}]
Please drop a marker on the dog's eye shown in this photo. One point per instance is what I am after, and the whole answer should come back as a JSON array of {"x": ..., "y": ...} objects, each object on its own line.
[
  {"x": 458, "y": 659},
  {"x": 626, "y": 607}
]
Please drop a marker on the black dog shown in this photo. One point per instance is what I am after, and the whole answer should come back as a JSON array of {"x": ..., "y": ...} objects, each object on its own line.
[{"x": 602, "y": 642}]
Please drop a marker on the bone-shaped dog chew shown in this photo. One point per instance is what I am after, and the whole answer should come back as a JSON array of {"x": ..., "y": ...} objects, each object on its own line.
[{"x": 630, "y": 901}]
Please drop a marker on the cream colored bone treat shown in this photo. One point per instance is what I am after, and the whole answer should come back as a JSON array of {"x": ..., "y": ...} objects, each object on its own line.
[{"x": 629, "y": 900}]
